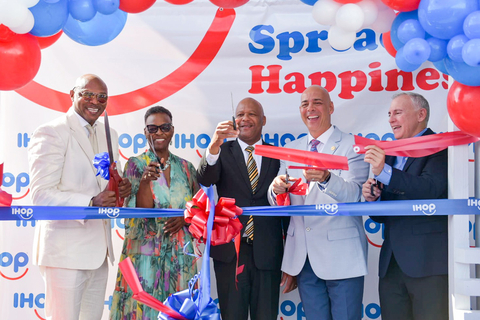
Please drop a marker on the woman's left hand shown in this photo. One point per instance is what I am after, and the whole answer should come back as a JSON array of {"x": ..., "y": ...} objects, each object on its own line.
[{"x": 173, "y": 225}]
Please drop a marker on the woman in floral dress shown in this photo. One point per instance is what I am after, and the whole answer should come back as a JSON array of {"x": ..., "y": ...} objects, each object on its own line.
[{"x": 156, "y": 245}]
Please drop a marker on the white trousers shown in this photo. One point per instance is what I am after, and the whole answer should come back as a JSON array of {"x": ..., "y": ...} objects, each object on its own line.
[{"x": 72, "y": 294}]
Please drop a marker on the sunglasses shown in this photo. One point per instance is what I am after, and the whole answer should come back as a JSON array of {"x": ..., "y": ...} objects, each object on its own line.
[
  {"x": 166, "y": 127},
  {"x": 87, "y": 95}
]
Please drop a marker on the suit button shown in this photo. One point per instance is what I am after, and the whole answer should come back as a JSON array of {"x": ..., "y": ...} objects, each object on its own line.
[{"x": 308, "y": 229}]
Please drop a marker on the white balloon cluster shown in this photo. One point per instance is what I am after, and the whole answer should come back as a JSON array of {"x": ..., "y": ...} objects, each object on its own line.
[
  {"x": 15, "y": 15},
  {"x": 346, "y": 19}
]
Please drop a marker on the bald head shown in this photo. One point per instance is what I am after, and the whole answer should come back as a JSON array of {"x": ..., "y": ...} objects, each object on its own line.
[
  {"x": 89, "y": 97},
  {"x": 316, "y": 109},
  {"x": 250, "y": 119}
]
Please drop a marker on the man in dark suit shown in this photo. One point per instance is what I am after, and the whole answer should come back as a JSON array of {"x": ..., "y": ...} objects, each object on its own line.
[
  {"x": 413, "y": 266},
  {"x": 225, "y": 165}
]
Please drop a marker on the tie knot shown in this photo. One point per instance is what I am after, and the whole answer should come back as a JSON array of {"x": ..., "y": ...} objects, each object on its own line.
[
  {"x": 313, "y": 144},
  {"x": 250, "y": 149},
  {"x": 90, "y": 128}
]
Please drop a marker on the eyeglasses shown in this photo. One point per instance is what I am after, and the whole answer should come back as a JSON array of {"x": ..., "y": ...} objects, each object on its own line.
[
  {"x": 166, "y": 127},
  {"x": 87, "y": 95}
]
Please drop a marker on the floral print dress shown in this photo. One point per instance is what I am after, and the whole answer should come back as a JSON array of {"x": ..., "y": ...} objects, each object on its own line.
[{"x": 159, "y": 260}]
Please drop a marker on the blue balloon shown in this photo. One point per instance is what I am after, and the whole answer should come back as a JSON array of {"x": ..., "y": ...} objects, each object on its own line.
[
  {"x": 82, "y": 10},
  {"x": 471, "y": 53},
  {"x": 471, "y": 25},
  {"x": 454, "y": 47},
  {"x": 401, "y": 17},
  {"x": 416, "y": 51},
  {"x": 440, "y": 65},
  {"x": 410, "y": 29},
  {"x": 50, "y": 17},
  {"x": 462, "y": 72},
  {"x": 100, "y": 30},
  {"x": 309, "y": 2},
  {"x": 438, "y": 49},
  {"x": 403, "y": 64},
  {"x": 106, "y": 6},
  {"x": 444, "y": 18}
]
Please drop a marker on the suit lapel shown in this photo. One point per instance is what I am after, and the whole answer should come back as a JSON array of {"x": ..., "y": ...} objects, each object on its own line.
[
  {"x": 78, "y": 133},
  {"x": 332, "y": 144},
  {"x": 266, "y": 162},
  {"x": 410, "y": 160},
  {"x": 239, "y": 159}
]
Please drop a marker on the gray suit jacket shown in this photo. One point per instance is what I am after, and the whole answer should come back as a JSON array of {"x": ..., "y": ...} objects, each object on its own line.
[
  {"x": 336, "y": 246},
  {"x": 62, "y": 174}
]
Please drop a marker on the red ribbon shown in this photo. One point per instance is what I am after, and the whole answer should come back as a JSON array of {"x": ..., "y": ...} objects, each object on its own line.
[
  {"x": 298, "y": 188},
  {"x": 322, "y": 160},
  {"x": 225, "y": 223},
  {"x": 418, "y": 146},
  {"x": 131, "y": 277},
  {"x": 5, "y": 197}
]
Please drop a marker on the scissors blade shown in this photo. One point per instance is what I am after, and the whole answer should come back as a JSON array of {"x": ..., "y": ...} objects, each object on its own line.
[
  {"x": 109, "y": 138},
  {"x": 233, "y": 114}
]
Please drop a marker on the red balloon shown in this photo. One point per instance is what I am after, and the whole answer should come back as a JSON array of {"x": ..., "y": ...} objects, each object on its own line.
[
  {"x": 6, "y": 34},
  {"x": 347, "y": 1},
  {"x": 463, "y": 107},
  {"x": 46, "y": 42},
  {"x": 178, "y": 1},
  {"x": 402, "y": 5},
  {"x": 387, "y": 43},
  {"x": 19, "y": 61},
  {"x": 135, "y": 6},
  {"x": 229, "y": 4}
]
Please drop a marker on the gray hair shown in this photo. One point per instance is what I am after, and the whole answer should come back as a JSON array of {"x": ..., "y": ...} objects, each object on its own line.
[{"x": 418, "y": 102}]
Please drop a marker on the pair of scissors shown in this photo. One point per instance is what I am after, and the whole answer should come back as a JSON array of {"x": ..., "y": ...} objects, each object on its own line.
[
  {"x": 287, "y": 177},
  {"x": 115, "y": 178}
]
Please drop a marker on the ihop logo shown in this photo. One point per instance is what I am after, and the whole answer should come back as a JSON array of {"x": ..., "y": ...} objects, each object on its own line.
[
  {"x": 474, "y": 203},
  {"x": 110, "y": 212},
  {"x": 329, "y": 208},
  {"x": 427, "y": 209},
  {"x": 22, "y": 180},
  {"x": 13, "y": 262},
  {"x": 24, "y": 213}
]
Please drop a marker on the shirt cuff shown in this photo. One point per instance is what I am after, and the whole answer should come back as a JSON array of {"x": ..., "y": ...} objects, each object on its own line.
[
  {"x": 212, "y": 158},
  {"x": 386, "y": 175}
]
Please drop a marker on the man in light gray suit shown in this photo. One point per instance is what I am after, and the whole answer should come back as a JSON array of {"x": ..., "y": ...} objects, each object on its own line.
[{"x": 328, "y": 255}]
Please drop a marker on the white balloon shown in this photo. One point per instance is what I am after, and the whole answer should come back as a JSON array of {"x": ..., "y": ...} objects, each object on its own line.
[
  {"x": 13, "y": 13},
  {"x": 384, "y": 21},
  {"x": 350, "y": 17},
  {"x": 324, "y": 12},
  {"x": 26, "y": 26},
  {"x": 341, "y": 39},
  {"x": 30, "y": 3},
  {"x": 370, "y": 10}
]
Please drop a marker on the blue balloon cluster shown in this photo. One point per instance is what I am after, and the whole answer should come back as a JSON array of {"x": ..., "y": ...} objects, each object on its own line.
[
  {"x": 89, "y": 22},
  {"x": 445, "y": 32}
]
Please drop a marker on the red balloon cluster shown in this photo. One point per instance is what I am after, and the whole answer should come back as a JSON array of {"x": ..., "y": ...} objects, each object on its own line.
[
  {"x": 463, "y": 107},
  {"x": 20, "y": 58}
]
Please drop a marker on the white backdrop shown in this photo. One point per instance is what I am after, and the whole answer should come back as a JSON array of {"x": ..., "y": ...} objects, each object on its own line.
[{"x": 253, "y": 61}]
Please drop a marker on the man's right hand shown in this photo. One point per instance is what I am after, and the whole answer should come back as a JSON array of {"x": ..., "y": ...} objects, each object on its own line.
[
  {"x": 223, "y": 131},
  {"x": 279, "y": 185},
  {"x": 105, "y": 199},
  {"x": 367, "y": 190}
]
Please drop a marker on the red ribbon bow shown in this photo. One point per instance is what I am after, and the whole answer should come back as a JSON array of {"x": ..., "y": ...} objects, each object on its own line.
[
  {"x": 225, "y": 224},
  {"x": 298, "y": 188},
  {"x": 5, "y": 197}
]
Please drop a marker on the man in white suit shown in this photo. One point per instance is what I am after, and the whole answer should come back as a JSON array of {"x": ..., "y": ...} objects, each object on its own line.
[
  {"x": 328, "y": 255},
  {"x": 72, "y": 254}
]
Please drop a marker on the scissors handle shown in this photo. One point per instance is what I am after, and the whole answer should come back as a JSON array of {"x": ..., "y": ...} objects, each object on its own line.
[{"x": 113, "y": 183}]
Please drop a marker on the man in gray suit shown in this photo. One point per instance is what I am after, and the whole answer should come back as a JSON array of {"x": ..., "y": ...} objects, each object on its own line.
[{"x": 328, "y": 254}]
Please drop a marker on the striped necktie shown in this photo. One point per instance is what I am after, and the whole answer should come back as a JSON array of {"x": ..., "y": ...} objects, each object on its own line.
[{"x": 253, "y": 176}]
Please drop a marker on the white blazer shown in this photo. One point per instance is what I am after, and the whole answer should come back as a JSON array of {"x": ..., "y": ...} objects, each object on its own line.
[
  {"x": 62, "y": 174},
  {"x": 336, "y": 245}
]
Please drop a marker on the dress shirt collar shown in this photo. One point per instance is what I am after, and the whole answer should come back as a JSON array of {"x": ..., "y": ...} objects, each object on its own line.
[
  {"x": 243, "y": 145},
  {"x": 323, "y": 138}
]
